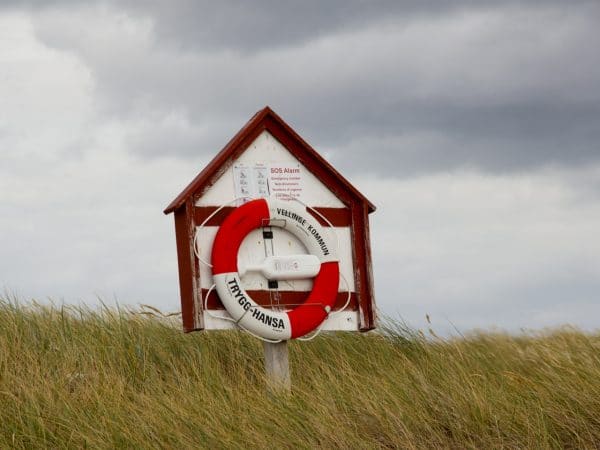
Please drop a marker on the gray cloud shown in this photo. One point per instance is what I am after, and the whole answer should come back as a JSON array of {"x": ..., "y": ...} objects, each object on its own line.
[
  {"x": 500, "y": 87},
  {"x": 502, "y": 138},
  {"x": 514, "y": 251},
  {"x": 250, "y": 26}
]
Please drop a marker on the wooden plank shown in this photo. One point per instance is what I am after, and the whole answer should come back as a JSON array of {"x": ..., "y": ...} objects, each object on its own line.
[
  {"x": 287, "y": 299},
  {"x": 339, "y": 217},
  {"x": 192, "y": 318},
  {"x": 363, "y": 271},
  {"x": 369, "y": 301}
]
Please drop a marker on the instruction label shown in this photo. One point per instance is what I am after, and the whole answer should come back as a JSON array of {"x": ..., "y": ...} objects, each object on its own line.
[
  {"x": 251, "y": 181},
  {"x": 286, "y": 180},
  {"x": 260, "y": 180}
]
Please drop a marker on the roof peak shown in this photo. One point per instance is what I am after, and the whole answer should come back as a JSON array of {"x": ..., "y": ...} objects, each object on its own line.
[{"x": 263, "y": 120}]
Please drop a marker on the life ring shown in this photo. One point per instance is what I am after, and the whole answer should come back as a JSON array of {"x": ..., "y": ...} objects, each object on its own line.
[{"x": 267, "y": 323}]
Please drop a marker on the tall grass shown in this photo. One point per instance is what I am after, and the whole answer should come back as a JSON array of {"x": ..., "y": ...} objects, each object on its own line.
[{"x": 77, "y": 378}]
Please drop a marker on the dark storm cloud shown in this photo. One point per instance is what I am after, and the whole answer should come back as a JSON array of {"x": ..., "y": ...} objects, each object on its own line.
[
  {"x": 401, "y": 87},
  {"x": 249, "y": 26},
  {"x": 416, "y": 138}
]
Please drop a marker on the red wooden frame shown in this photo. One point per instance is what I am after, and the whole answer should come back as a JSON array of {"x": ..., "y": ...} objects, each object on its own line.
[{"x": 188, "y": 216}]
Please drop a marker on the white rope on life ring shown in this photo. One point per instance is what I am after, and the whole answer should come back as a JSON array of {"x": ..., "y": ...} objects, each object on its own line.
[{"x": 263, "y": 322}]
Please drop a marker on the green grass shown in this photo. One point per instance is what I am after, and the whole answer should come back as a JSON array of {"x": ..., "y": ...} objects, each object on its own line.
[{"x": 76, "y": 378}]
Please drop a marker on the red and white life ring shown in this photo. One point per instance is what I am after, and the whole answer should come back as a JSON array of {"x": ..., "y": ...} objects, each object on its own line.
[{"x": 268, "y": 323}]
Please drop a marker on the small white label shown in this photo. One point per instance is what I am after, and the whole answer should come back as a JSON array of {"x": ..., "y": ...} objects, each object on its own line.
[{"x": 286, "y": 180}]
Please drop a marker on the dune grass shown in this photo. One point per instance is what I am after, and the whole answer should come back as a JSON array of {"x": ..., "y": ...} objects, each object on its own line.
[{"x": 77, "y": 378}]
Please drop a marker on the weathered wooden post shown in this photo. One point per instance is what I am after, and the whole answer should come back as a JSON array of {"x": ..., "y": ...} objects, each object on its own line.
[
  {"x": 277, "y": 366},
  {"x": 243, "y": 229}
]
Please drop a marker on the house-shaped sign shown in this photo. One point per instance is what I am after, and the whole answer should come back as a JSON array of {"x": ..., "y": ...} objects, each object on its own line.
[{"x": 268, "y": 159}]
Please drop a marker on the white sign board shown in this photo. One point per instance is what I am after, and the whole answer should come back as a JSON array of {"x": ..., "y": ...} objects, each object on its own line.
[{"x": 267, "y": 169}]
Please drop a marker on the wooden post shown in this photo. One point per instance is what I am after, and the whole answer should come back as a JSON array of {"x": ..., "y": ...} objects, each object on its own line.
[{"x": 277, "y": 367}]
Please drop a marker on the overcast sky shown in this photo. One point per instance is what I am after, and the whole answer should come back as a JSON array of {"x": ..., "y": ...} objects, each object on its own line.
[{"x": 474, "y": 127}]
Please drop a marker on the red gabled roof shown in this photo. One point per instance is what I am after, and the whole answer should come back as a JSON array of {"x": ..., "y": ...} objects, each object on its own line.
[{"x": 265, "y": 119}]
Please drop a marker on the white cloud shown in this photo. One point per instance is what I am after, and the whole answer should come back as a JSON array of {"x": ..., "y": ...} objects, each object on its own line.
[
  {"x": 467, "y": 57},
  {"x": 512, "y": 251},
  {"x": 79, "y": 215},
  {"x": 46, "y": 95}
]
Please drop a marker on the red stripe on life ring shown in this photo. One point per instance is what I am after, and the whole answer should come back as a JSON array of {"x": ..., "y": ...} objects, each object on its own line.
[
  {"x": 309, "y": 316},
  {"x": 232, "y": 232}
]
